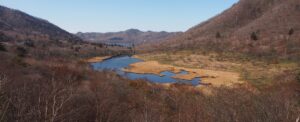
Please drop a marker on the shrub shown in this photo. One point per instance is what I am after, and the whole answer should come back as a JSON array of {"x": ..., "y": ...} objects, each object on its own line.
[
  {"x": 254, "y": 36},
  {"x": 29, "y": 43},
  {"x": 4, "y": 38},
  {"x": 19, "y": 61},
  {"x": 297, "y": 7},
  {"x": 291, "y": 31},
  {"x": 77, "y": 49},
  {"x": 22, "y": 52},
  {"x": 2, "y": 47},
  {"x": 218, "y": 35},
  {"x": 298, "y": 76},
  {"x": 3, "y": 79}
]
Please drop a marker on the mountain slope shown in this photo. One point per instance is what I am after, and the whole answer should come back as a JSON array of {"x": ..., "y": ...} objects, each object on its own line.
[
  {"x": 129, "y": 36},
  {"x": 257, "y": 27},
  {"x": 14, "y": 22}
]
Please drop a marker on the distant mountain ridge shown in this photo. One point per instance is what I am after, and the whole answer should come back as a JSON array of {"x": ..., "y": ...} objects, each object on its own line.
[
  {"x": 129, "y": 36},
  {"x": 258, "y": 27},
  {"x": 16, "y": 23}
]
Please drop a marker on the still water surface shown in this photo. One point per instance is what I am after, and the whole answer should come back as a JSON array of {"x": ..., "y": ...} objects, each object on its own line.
[{"x": 116, "y": 64}]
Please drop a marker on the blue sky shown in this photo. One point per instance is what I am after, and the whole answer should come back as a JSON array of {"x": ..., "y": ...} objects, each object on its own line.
[{"x": 118, "y": 15}]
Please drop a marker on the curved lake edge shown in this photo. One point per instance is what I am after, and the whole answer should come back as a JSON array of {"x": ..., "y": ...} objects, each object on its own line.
[
  {"x": 120, "y": 62},
  {"x": 214, "y": 78},
  {"x": 162, "y": 75}
]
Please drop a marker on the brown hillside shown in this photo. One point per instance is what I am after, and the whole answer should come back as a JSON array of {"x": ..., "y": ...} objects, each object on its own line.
[
  {"x": 19, "y": 24},
  {"x": 257, "y": 27},
  {"x": 127, "y": 37}
]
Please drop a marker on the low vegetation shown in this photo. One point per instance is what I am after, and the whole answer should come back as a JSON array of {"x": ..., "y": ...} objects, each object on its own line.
[
  {"x": 44, "y": 74},
  {"x": 209, "y": 77},
  {"x": 2, "y": 47},
  {"x": 257, "y": 72},
  {"x": 62, "y": 87},
  {"x": 97, "y": 59},
  {"x": 254, "y": 36}
]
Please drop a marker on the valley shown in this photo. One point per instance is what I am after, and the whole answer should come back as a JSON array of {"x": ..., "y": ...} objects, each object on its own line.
[{"x": 242, "y": 65}]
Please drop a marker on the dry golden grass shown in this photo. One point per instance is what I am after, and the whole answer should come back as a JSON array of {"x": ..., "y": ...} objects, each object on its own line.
[
  {"x": 191, "y": 60},
  {"x": 152, "y": 67},
  {"x": 255, "y": 72},
  {"x": 212, "y": 77},
  {"x": 97, "y": 59}
]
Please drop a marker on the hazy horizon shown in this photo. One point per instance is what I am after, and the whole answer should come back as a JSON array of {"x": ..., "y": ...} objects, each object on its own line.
[{"x": 117, "y": 15}]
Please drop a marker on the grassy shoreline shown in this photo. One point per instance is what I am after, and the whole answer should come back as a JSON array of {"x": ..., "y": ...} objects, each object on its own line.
[
  {"x": 213, "y": 69},
  {"x": 257, "y": 73},
  {"x": 97, "y": 59},
  {"x": 212, "y": 77}
]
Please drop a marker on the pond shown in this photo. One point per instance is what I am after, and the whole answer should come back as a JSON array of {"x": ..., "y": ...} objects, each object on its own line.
[{"x": 116, "y": 64}]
